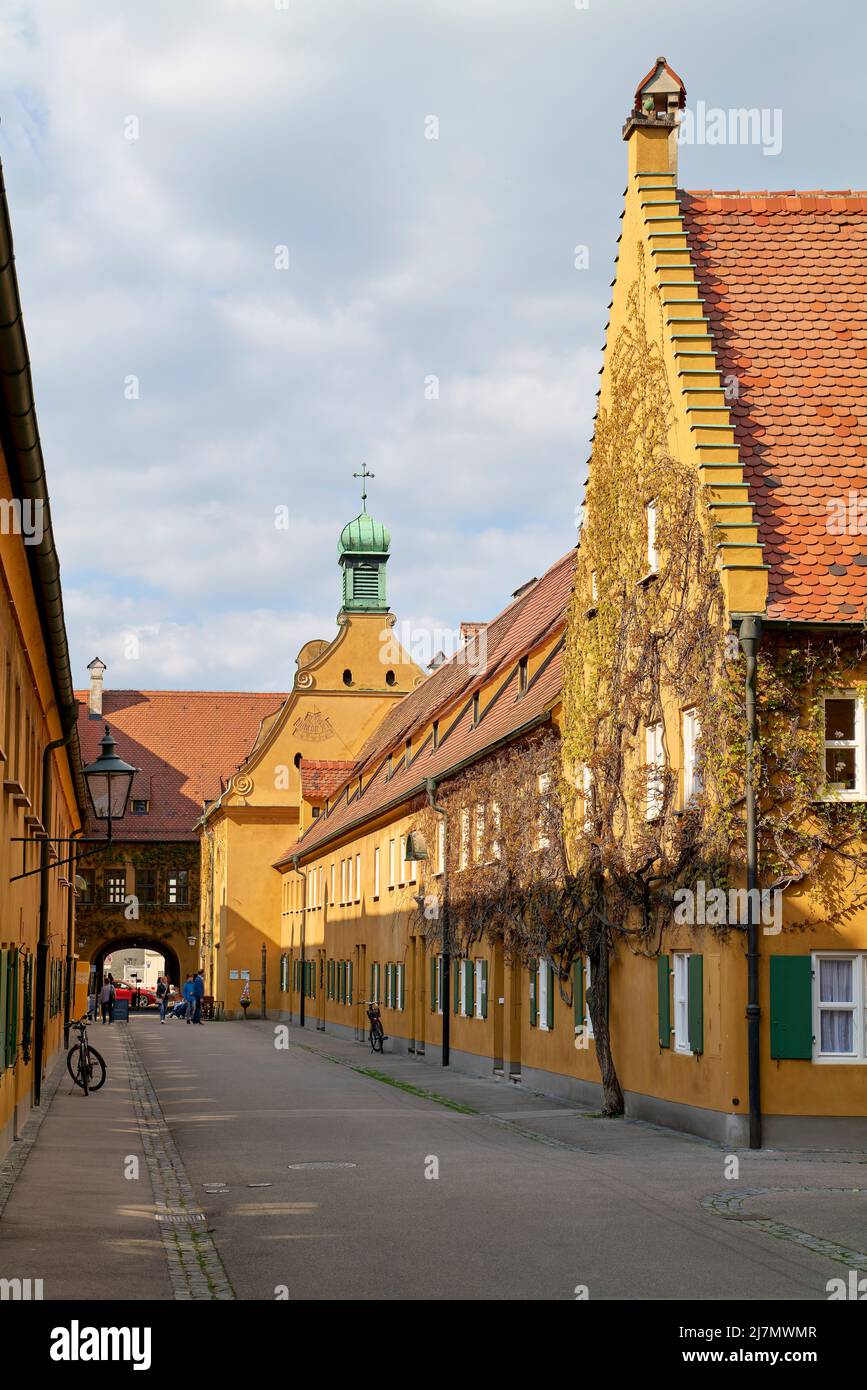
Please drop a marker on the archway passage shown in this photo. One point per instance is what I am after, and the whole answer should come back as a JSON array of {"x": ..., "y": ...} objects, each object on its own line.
[{"x": 139, "y": 942}]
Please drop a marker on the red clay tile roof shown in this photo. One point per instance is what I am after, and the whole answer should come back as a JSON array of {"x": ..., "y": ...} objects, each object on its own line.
[
  {"x": 539, "y": 613},
  {"x": 184, "y": 741},
  {"x": 321, "y": 777},
  {"x": 784, "y": 278}
]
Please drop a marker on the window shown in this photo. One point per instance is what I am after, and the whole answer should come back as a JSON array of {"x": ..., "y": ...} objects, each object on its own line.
[
  {"x": 319, "y": 888},
  {"x": 587, "y": 794},
  {"x": 391, "y": 863},
  {"x": 342, "y": 882},
  {"x": 146, "y": 885},
  {"x": 349, "y": 878},
  {"x": 358, "y": 878},
  {"x": 465, "y": 837},
  {"x": 399, "y": 993},
  {"x": 331, "y": 894},
  {"x": 465, "y": 982},
  {"x": 845, "y": 746},
  {"x": 650, "y": 525},
  {"x": 480, "y": 993},
  {"x": 543, "y": 788},
  {"x": 284, "y": 973},
  {"x": 375, "y": 983},
  {"x": 522, "y": 676},
  {"x": 692, "y": 780},
  {"x": 86, "y": 892},
  {"x": 178, "y": 886},
  {"x": 545, "y": 994},
  {"x": 496, "y": 831},
  {"x": 376, "y": 872},
  {"x": 839, "y": 994},
  {"x": 140, "y": 808},
  {"x": 681, "y": 1002},
  {"x": 588, "y": 1022},
  {"x": 441, "y": 845},
  {"x": 436, "y": 733},
  {"x": 476, "y": 708},
  {"x": 480, "y": 848},
  {"x": 115, "y": 886},
  {"x": 436, "y": 988},
  {"x": 655, "y": 770}
]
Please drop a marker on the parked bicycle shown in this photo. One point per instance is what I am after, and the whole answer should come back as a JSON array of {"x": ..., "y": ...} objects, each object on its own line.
[
  {"x": 376, "y": 1034},
  {"x": 84, "y": 1063}
]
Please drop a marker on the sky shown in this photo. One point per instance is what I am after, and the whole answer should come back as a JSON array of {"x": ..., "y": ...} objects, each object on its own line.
[{"x": 260, "y": 242}]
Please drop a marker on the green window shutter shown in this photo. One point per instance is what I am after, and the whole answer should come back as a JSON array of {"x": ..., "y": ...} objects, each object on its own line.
[
  {"x": 4, "y": 973},
  {"x": 433, "y": 984},
  {"x": 313, "y": 979},
  {"x": 696, "y": 1004},
  {"x": 663, "y": 989},
  {"x": 792, "y": 1007},
  {"x": 534, "y": 1011},
  {"x": 484, "y": 989},
  {"x": 401, "y": 980},
  {"x": 578, "y": 992},
  {"x": 456, "y": 985},
  {"x": 349, "y": 981},
  {"x": 550, "y": 1011},
  {"x": 469, "y": 991}
]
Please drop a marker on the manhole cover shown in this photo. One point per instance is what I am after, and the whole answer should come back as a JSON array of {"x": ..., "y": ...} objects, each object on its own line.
[
  {"x": 322, "y": 1165},
  {"x": 192, "y": 1218}
]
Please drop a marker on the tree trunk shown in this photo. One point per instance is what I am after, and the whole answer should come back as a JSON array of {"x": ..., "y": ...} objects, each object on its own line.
[{"x": 597, "y": 1003}]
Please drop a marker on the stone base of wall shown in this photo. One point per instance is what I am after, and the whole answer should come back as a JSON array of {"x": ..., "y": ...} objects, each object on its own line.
[{"x": 832, "y": 1132}]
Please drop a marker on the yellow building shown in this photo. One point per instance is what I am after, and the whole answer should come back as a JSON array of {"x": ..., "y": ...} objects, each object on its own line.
[
  {"x": 39, "y": 753},
  {"x": 726, "y": 465},
  {"x": 342, "y": 689}
]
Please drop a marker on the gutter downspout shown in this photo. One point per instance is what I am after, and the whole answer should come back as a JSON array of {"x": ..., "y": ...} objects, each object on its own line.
[
  {"x": 303, "y": 878},
  {"x": 750, "y": 635},
  {"x": 42, "y": 942},
  {"x": 430, "y": 787},
  {"x": 70, "y": 944},
  {"x": 210, "y": 837}
]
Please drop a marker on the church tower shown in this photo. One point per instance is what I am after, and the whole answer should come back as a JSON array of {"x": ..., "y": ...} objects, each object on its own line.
[{"x": 363, "y": 553}]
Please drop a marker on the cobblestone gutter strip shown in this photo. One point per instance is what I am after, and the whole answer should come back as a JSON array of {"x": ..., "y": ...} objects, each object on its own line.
[
  {"x": 729, "y": 1204},
  {"x": 195, "y": 1267},
  {"x": 13, "y": 1163}
]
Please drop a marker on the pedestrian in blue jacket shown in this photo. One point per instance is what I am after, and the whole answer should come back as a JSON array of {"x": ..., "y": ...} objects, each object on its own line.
[
  {"x": 199, "y": 988},
  {"x": 190, "y": 997}
]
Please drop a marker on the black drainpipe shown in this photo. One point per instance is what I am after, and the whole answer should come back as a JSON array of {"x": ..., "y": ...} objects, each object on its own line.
[
  {"x": 70, "y": 942},
  {"x": 750, "y": 635},
  {"x": 430, "y": 788}
]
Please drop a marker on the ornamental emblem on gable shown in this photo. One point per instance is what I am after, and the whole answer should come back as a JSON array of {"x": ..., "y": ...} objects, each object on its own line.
[{"x": 314, "y": 726}]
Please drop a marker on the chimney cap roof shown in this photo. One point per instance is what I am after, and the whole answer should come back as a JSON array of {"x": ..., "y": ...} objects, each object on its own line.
[
  {"x": 96, "y": 665},
  {"x": 661, "y": 83}
]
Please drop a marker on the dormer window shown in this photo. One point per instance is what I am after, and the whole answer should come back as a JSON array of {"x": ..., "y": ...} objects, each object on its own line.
[
  {"x": 140, "y": 808},
  {"x": 522, "y": 676},
  {"x": 476, "y": 703}
]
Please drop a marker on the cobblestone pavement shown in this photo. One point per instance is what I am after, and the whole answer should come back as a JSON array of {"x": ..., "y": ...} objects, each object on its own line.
[{"x": 195, "y": 1268}]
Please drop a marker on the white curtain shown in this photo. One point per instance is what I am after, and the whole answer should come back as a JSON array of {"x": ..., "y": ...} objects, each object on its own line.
[{"x": 835, "y": 987}]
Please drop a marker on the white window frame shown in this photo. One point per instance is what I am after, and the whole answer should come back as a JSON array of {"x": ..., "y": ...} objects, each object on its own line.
[
  {"x": 858, "y": 1007},
  {"x": 332, "y": 883},
  {"x": 650, "y": 523},
  {"x": 342, "y": 882},
  {"x": 460, "y": 965},
  {"x": 391, "y": 863},
  {"x": 587, "y": 796},
  {"x": 439, "y": 985},
  {"x": 859, "y": 743},
  {"x": 588, "y": 1021},
  {"x": 376, "y": 872},
  {"x": 543, "y": 791},
  {"x": 654, "y": 743},
  {"x": 320, "y": 887},
  {"x": 480, "y": 827},
  {"x": 402, "y": 861},
  {"x": 496, "y": 832},
  {"x": 441, "y": 845},
  {"x": 397, "y": 974},
  {"x": 478, "y": 968},
  {"x": 680, "y": 962},
  {"x": 691, "y": 733},
  {"x": 465, "y": 838},
  {"x": 358, "y": 878},
  {"x": 349, "y": 878},
  {"x": 542, "y": 977}
]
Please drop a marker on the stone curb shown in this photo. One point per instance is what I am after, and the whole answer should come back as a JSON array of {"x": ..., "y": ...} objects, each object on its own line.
[{"x": 195, "y": 1268}]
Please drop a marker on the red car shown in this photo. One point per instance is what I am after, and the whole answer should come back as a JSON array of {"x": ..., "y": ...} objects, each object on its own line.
[{"x": 146, "y": 997}]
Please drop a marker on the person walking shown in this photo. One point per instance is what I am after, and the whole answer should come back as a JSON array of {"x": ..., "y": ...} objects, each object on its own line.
[
  {"x": 91, "y": 1004},
  {"x": 190, "y": 997},
  {"x": 106, "y": 998},
  {"x": 199, "y": 987},
  {"x": 162, "y": 993}
]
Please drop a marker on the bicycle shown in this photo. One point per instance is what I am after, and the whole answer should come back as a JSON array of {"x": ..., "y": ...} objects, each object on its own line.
[
  {"x": 83, "y": 1062},
  {"x": 376, "y": 1035}
]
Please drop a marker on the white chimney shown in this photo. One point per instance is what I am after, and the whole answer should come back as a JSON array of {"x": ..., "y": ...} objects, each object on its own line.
[{"x": 94, "y": 695}]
